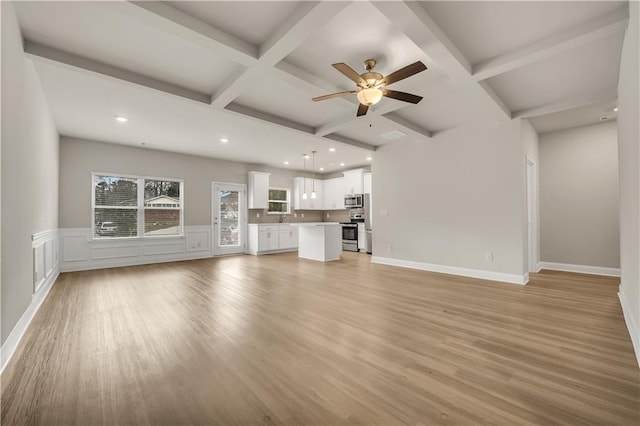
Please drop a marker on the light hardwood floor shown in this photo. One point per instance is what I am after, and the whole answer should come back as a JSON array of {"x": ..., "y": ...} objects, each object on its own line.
[{"x": 277, "y": 340}]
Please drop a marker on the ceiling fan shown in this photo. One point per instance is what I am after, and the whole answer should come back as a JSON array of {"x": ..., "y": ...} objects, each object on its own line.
[{"x": 371, "y": 86}]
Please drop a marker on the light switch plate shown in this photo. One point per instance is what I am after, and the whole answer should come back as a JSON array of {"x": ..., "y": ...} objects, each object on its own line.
[{"x": 384, "y": 212}]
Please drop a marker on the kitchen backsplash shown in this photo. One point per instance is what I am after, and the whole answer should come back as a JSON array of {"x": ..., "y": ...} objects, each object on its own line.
[{"x": 309, "y": 216}]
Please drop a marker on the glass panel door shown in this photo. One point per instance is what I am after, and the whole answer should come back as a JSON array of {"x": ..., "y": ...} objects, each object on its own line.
[{"x": 229, "y": 222}]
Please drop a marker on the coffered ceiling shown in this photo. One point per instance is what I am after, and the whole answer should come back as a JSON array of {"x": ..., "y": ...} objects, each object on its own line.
[{"x": 189, "y": 73}]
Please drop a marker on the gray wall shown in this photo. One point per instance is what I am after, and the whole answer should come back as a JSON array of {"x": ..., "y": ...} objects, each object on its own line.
[
  {"x": 629, "y": 155},
  {"x": 29, "y": 171},
  {"x": 79, "y": 158},
  {"x": 452, "y": 200},
  {"x": 579, "y": 196}
]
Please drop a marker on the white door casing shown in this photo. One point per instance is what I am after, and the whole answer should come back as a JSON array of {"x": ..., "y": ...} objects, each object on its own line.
[{"x": 228, "y": 218}]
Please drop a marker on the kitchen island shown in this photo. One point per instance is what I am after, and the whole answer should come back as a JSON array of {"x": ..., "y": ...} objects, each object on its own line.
[{"x": 320, "y": 241}]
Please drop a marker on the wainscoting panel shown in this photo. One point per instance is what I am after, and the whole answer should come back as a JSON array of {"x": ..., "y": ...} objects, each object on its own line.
[
  {"x": 81, "y": 252},
  {"x": 45, "y": 257}
]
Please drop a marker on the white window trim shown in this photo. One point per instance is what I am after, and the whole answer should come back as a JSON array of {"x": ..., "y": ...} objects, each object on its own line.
[
  {"x": 140, "y": 207},
  {"x": 279, "y": 201}
]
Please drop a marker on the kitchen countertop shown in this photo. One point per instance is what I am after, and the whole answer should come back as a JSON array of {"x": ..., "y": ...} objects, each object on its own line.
[{"x": 314, "y": 223}]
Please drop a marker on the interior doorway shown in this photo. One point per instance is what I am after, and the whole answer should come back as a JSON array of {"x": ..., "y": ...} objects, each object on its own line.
[{"x": 532, "y": 216}]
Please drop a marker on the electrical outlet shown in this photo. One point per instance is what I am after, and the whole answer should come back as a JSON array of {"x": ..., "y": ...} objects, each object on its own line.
[
  {"x": 489, "y": 257},
  {"x": 390, "y": 248},
  {"x": 328, "y": 215},
  {"x": 257, "y": 214},
  {"x": 295, "y": 215},
  {"x": 302, "y": 215}
]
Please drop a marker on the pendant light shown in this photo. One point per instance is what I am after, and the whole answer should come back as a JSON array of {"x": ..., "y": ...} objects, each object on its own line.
[
  {"x": 313, "y": 182},
  {"x": 304, "y": 179}
]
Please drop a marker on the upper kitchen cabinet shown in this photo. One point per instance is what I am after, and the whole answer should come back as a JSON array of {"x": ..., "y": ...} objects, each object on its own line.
[
  {"x": 333, "y": 194},
  {"x": 367, "y": 183},
  {"x": 302, "y": 185},
  {"x": 354, "y": 181},
  {"x": 258, "y": 190}
]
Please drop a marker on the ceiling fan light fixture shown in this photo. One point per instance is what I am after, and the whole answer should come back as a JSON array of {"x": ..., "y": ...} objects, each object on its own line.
[{"x": 369, "y": 96}]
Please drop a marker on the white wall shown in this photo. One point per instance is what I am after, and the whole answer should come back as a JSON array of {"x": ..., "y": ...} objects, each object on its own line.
[
  {"x": 629, "y": 160},
  {"x": 453, "y": 199},
  {"x": 579, "y": 196},
  {"x": 29, "y": 172}
]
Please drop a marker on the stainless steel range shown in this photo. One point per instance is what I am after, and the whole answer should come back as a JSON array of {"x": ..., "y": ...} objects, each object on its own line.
[{"x": 354, "y": 236}]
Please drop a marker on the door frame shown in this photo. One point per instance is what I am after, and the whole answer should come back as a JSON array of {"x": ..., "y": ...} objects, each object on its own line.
[
  {"x": 215, "y": 249},
  {"x": 532, "y": 215}
]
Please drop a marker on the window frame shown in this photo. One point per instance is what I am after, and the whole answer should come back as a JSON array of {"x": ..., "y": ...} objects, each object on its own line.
[
  {"x": 287, "y": 202},
  {"x": 140, "y": 207}
]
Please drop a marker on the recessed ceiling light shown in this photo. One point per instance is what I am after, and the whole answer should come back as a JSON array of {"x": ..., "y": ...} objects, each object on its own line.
[
  {"x": 332, "y": 149},
  {"x": 121, "y": 119},
  {"x": 341, "y": 164},
  {"x": 286, "y": 163},
  {"x": 615, "y": 109},
  {"x": 368, "y": 158},
  {"x": 321, "y": 169},
  {"x": 224, "y": 140},
  {"x": 306, "y": 156}
]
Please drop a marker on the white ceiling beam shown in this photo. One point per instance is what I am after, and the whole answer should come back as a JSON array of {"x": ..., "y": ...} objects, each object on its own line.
[
  {"x": 579, "y": 35},
  {"x": 174, "y": 21},
  {"x": 407, "y": 126},
  {"x": 298, "y": 128},
  {"x": 308, "y": 17},
  {"x": 564, "y": 106},
  {"x": 44, "y": 53},
  {"x": 420, "y": 27},
  {"x": 303, "y": 23},
  {"x": 349, "y": 141}
]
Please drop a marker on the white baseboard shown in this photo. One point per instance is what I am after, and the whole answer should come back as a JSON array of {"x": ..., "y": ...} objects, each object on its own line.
[
  {"x": 10, "y": 345},
  {"x": 454, "y": 270},
  {"x": 631, "y": 325},
  {"x": 582, "y": 269},
  {"x": 538, "y": 267}
]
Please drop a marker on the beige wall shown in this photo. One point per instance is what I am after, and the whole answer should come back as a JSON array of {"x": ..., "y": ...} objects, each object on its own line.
[
  {"x": 79, "y": 158},
  {"x": 579, "y": 196},
  {"x": 629, "y": 157},
  {"x": 29, "y": 171},
  {"x": 453, "y": 199}
]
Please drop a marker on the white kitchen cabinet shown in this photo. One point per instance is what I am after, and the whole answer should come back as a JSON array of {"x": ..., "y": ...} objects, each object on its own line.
[
  {"x": 354, "y": 181},
  {"x": 333, "y": 194},
  {"x": 366, "y": 180},
  {"x": 288, "y": 237},
  {"x": 299, "y": 186},
  {"x": 258, "y": 190},
  {"x": 270, "y": 238}
]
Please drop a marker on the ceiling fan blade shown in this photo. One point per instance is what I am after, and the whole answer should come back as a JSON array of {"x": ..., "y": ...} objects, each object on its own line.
[
  {"x": 402, "y": 96},
  {"x": 333, "y": 95},
  {"x": 362, "y": 110},
  {"x": 349, "y": 72},
  {"x": 404, "y": 72}
]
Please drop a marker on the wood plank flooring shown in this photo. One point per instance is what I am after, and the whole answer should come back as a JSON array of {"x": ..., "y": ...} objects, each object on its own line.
[{"x": 277, "y": 340}]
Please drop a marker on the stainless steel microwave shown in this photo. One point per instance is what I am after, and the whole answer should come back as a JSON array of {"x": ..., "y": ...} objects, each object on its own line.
[{"x": 354, "y": 201}]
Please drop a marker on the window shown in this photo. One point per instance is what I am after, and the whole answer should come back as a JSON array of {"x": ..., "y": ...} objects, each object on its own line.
[
  {"x": 279, "y": 201},
  {"x": 128, "y": 206}
]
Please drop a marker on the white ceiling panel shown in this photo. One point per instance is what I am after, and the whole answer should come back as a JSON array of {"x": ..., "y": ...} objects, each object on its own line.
[
  {"x": 281, "y": 99},
  {"x": 250, "y": 21},
  {"x": 588, "y": 70},
  {"x": 590, "y": 114},
  {"x": 97, "y": 31},
  {"x": 484, "y": 29},
  {"x": 359, "y": 32},
  {"x": 84, "y": 105},
  {"x": 455, "y": 108}
]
